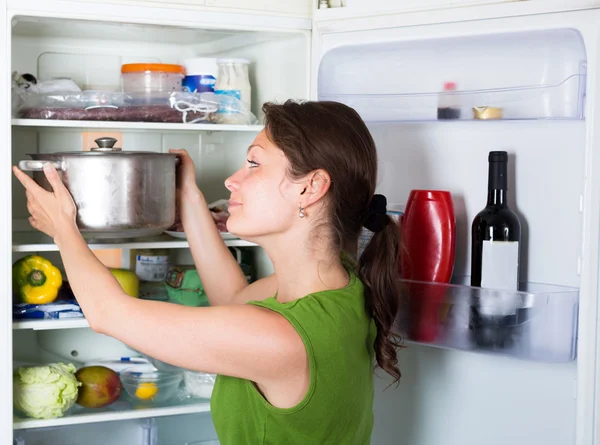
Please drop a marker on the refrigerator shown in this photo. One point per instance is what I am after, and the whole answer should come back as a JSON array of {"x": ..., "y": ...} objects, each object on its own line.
[{"x": 535, "y": 61}]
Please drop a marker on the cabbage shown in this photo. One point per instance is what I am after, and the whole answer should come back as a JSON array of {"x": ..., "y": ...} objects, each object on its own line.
[{"x": 45, "y": 392}]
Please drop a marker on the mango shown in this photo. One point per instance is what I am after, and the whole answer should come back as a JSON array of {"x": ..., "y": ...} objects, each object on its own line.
[{"x": 100, "y": 387}]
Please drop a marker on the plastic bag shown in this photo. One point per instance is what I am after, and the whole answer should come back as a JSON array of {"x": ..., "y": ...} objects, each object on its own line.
[
  {"x": 198, "y": 384},
  {"x": 188, "y": 108},
  {"x": 51, "y": 311}
]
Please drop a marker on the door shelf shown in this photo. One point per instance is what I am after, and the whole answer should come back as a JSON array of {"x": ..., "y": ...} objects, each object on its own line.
[
  {"x": 38, "y": 242},
  {"x": 538, "y": 322},
  {"x": 142, "y": 126},
  {"x": 120, "y": 410},
  {"x": 564, "y": 101}
]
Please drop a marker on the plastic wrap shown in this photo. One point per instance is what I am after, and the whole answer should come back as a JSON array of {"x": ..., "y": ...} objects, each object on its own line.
[
  {"x": 187, "y": 108},
  {"x": 57, "y": 310},
  {"x": 198, "y": 384}
]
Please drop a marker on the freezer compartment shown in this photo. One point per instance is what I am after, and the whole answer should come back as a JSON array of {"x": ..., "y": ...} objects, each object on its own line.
[
  {"x": 85, "y": 58},
  {"x": 528, "y": 75},
  {"x": 538, "y": 322}
]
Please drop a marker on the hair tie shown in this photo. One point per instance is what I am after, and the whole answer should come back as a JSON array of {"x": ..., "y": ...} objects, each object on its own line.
[{"x": 377, "y": 217}]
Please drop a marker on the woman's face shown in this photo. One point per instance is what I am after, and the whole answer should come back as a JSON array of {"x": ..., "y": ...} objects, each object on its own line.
[{"x": 263, "y": 201}]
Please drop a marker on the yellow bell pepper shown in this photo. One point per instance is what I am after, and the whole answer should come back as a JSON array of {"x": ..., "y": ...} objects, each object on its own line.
[{"x": 36, "y": 280}]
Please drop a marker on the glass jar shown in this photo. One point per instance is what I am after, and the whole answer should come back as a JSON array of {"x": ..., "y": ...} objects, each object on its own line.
[
  {"x": 150, "y": 265},
  {"x": 233, "y": 80}
]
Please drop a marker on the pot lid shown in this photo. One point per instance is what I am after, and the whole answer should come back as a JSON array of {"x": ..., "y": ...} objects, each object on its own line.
[{"x": 105, "y": 147}]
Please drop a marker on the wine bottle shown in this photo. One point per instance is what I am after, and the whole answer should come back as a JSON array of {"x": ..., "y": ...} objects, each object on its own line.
[{"x": 496, "y": 239}]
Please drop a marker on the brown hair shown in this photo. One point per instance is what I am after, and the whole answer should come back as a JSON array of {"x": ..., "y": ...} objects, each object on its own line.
[{"x": 332, "y": 136}]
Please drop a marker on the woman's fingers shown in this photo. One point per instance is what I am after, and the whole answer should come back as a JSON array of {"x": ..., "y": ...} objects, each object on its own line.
[
  {"x": 30, "y": 185},
  {"x": 57, "y": 185}
]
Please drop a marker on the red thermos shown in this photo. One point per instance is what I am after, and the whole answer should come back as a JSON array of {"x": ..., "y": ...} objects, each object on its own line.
[{"x": 427, "y": 254}]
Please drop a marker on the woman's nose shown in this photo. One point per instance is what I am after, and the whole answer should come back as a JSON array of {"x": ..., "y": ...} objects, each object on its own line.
[{"x": 232, "y": 183}]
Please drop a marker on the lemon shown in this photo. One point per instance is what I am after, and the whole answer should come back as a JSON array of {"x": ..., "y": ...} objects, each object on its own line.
[{"x": 146, "y": 390}]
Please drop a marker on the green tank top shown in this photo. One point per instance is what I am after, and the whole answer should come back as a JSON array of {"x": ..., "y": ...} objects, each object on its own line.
[{"x": 338, "y": 408}]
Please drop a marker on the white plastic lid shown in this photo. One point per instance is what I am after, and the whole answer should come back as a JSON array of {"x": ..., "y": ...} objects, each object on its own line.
[
  {"x": 201, "y": 65},
  {"x": 243, "y": 61}
]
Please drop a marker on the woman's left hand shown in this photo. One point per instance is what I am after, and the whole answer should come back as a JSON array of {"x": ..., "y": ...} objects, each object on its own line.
[{"x": 51, "y": 212}]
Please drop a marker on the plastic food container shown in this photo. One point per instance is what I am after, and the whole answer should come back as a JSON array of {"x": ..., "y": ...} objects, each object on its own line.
[
  {"x": 201, "y": 75},
  {"x": 151, "y": 78},
  {"x": 199, "y": 384},
  {"x": 149, "y": 385}
]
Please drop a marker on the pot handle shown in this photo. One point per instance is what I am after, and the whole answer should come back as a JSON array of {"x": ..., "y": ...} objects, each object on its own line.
[{"x": 38, "y": 166}]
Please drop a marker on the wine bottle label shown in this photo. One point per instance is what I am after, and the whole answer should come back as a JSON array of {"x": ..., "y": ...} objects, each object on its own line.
[{"x": 499, "y": 270}]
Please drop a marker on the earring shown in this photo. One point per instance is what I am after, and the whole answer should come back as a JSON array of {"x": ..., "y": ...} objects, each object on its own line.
[{"x": 301, "y": 214}]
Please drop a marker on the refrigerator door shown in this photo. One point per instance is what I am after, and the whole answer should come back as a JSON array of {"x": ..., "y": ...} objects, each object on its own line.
[{"x": 391, "y": 71}]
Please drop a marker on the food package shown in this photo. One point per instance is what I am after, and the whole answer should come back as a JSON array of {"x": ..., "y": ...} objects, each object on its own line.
[
  {"x": 198, "y": 384},
  {"x": 187, "y": 108},
  {"x": 219, "y": 211},
  {"x": 50, "y": 311}
]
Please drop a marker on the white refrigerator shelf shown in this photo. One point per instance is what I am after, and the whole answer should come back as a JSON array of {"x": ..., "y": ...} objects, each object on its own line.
[
  {"x": 120, "y": 410},
  {"x": 143, "y": 126},
  {"x": 46, "y": 325},
  {"x": 38, "y": 242}
]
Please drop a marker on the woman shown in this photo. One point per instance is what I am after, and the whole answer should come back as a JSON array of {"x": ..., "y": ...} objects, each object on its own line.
[{"x": 294, "y": 351}]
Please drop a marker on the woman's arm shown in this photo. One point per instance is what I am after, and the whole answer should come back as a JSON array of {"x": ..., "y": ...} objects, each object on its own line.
[
  {"x": 224, "y": 340},
  {"x": 221, "y": 276}
]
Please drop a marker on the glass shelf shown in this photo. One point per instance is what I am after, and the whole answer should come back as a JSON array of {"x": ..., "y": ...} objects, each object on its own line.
[
  {"x": 538, "y": 322},
  {"x": 122, "y": 409}
]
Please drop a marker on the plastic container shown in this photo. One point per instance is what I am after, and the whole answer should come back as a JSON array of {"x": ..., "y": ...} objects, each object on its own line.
[
  {"x": 233, "y": 80},
  {"x": 448, "y": 103},
  {"x": 201, "y": 75},
  {"x": 199, "y": 384},
  {"x": 151, "y": 78},
  {"x": 150, "y": 385}
]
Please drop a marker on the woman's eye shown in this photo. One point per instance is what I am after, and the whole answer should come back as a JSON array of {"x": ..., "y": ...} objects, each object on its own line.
[{"x": 253, "y": 164}]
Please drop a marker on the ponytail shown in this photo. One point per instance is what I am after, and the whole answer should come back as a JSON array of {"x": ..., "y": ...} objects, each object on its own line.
[
  {"x": 379, "y": 270},
  {"x": 333, "y": 137}
]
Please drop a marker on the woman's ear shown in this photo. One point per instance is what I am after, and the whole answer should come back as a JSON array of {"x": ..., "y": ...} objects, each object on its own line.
[{"x": 315, "y": 187}]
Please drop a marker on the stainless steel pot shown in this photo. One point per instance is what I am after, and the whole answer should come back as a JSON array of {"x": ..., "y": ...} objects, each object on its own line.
[{"x": 118, "y": 194}]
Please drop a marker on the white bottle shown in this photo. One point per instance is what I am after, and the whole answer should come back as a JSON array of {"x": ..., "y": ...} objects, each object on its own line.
[{"x": 233, "y": 80}]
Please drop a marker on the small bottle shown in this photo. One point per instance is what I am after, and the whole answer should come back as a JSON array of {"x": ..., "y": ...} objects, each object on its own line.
[
  {"x": 496, "y": 242},
  {"x": 448, "y": 103},
  {"x": 323, "y": 4}
]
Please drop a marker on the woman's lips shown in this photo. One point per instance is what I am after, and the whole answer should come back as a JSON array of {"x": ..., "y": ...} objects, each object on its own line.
[{"x": 233, "y": 203}]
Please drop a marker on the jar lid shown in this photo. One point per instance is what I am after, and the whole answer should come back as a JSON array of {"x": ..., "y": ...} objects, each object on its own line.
[
  {"x": 243, "y": 61},
  {"x": 159, "y": 67}
]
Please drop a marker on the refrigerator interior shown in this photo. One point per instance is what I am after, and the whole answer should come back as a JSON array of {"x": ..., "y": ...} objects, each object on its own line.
[
  {"x": 392, "y": 77},
  {"x": 91, "y": 53},
  {"x": 536, "y": 70}
]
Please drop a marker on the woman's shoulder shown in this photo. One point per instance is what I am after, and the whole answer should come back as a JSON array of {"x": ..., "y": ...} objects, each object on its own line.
[{"x": 260, "y": 290}]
